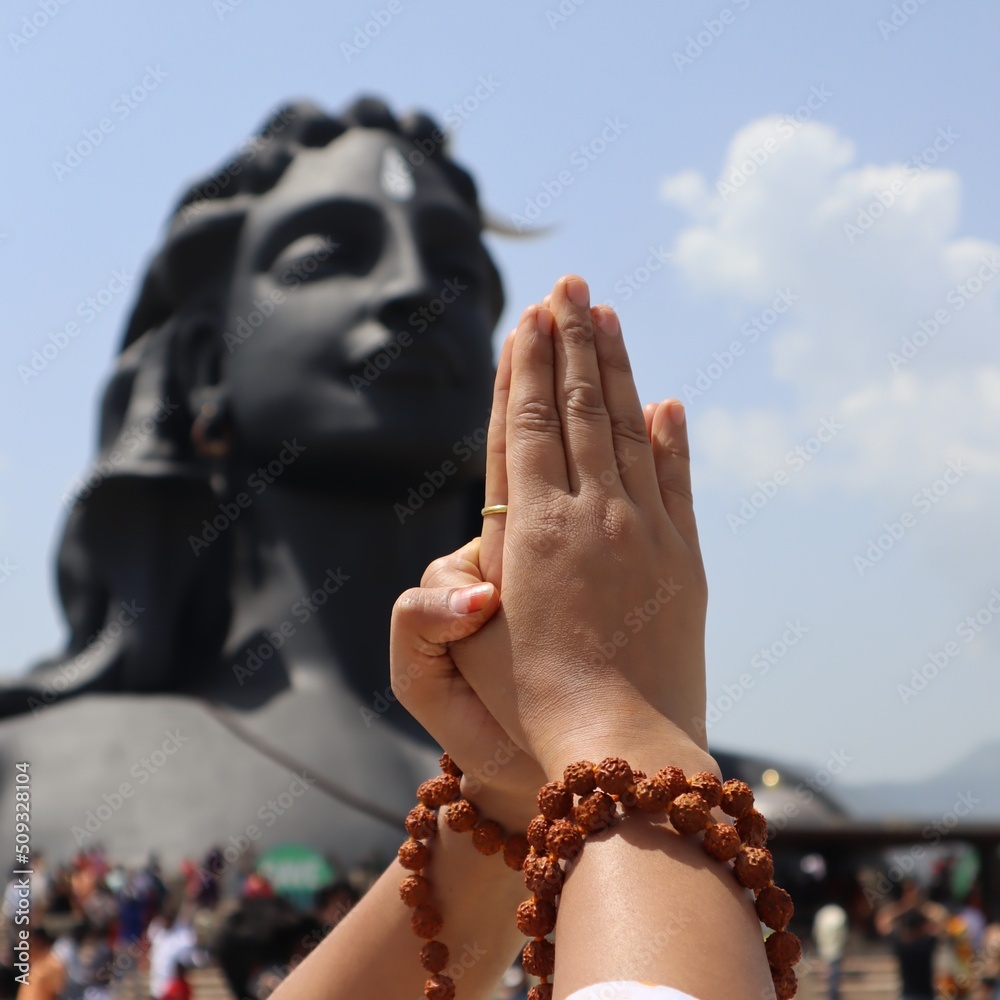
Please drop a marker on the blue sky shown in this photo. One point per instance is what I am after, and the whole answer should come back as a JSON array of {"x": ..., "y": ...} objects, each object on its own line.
[{"x": 716, "y": 162}]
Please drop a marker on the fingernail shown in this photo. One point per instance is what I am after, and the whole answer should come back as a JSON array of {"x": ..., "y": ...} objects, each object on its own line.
[
  {"x": 607, "y": 321},
  {"x": 468, "y": 600},
  {"x": 676, "y": 411},
  {"x": 578, "y": 292}
]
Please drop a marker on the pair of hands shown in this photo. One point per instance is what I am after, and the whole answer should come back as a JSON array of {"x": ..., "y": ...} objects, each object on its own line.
[{"x": 597, "y": 648}]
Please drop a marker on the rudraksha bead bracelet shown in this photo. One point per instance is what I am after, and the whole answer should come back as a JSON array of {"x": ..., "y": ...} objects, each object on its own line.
[{"x": 591, "y": 798}]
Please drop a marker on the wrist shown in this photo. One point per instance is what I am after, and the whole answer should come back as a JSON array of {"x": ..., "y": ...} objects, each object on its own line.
[{"x": 647, "y": 743}]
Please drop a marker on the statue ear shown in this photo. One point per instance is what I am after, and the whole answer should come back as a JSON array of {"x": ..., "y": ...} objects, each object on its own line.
[{"x": 198, "y": 368}]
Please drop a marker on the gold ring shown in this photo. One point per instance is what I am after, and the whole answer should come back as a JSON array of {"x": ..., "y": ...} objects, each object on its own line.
[{"x": 497, "y": 508}]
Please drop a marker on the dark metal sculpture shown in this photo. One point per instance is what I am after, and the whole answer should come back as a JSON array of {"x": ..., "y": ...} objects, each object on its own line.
[{"x": 295, "y": 427}]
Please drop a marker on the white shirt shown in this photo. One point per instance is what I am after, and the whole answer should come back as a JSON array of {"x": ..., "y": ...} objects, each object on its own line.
[
  {"x": 629, "y": 991},
  {"x": 166, "y": 946}
]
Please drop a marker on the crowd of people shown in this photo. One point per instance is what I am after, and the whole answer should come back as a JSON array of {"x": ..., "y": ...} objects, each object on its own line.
[{"x": 98, "y": 928}]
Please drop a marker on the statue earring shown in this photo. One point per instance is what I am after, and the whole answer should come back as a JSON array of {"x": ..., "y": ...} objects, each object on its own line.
[{"x": 210, "y": 432}]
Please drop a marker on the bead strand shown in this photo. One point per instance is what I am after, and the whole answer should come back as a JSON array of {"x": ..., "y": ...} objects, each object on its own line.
[{"x": 556, "y": 837}]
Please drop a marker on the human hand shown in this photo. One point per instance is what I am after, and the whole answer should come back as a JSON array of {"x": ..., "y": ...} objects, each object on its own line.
[
  {"x": 599, "y": 644},
  {"x": 451, "y": 603}
]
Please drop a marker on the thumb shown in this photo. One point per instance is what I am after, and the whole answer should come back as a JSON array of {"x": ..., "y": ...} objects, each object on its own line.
[{"x": 426, "y": 619}]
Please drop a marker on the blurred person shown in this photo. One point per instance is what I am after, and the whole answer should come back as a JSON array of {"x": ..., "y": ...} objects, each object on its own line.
[
  {"x": 171, "y": 940},
  {"x": 88, "y": 962},
  {"x": 261, "y": 942},
  {"x": 333, "y": 902},
  {"x": 178, "y": 988},
  {"x": 47, "y": 978},
  {"x": 913, "y": 926},
  {"x": 830, "y": 932}
]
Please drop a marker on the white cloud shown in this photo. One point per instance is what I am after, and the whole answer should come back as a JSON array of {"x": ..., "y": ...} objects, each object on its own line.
[{"x": 895, "y": 320}]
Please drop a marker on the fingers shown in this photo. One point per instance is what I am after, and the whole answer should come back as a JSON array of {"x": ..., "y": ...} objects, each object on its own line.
[
  {"x": 536, "y": 455},
  {"x": 629, "y": 434},
  {"x": 491, "y": 549},
  {"x": 647, "y": 413},
  {"x": 672, "y": 459},
  {"x": 580, "y": 399}
]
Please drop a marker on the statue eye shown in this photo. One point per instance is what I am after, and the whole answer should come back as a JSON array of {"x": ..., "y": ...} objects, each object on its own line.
[{"x": 313, "y": 255}]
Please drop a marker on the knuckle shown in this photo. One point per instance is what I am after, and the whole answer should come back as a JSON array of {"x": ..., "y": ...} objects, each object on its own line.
[
  {"x": 577, "y": 330},
  {"x": 629, "y": 431},
  {"x": 584, "y": 399},
  {"x": 408, "y": 604},
  {"x": 536, "y": 416}
]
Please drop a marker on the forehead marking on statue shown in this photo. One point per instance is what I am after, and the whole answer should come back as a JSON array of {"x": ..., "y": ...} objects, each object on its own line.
[{"x": 396, "y": 175}]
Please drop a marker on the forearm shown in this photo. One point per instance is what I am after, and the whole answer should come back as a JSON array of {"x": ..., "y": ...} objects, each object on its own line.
[
  {"x": 647, "y": 904},
  {"x": 373, "y": 952}
]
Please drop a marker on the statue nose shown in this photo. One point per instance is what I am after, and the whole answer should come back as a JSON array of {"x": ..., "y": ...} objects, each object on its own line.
[{"x": 409, "y": 283}]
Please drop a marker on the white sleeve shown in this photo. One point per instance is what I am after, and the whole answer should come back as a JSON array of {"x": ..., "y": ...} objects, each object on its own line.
[{"x": 629, "y": 991}]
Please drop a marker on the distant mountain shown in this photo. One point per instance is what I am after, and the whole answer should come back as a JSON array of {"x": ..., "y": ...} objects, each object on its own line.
[{"x": 970, "y": 787}]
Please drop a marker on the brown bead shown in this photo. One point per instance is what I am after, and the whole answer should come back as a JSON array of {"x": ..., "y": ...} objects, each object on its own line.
[
  {"x": 461, "y": 816},
  {"x": 448, "y": 766},
  {"x": 414, "y": 890},
  {"x": 638, "y": 775},
  {"x": 426, "y": 922},
  {"x": 689, "y": 813},
  {"x": 543, "y": 991},
  {"x": 564, "y": 840},
  {"x": 515, "y": 850},
  {"x": 440, "y": 987},
  {"x": 595, "y": 811},
  {"x": 554, "y": 800},
  {"x": 543, "y": 876},
  {"x": 438, "y": 791},
  {"x": 774, "y": 907},
  {"x": 783, "y": 950},
  {"x": 579, "y": 777},
  {"x": 434, "y": 956},
  {"x": 708, "y": 786},
  {"x": 752, "y": 828},
  {"x": 737, "y": 798},
  {"x": 413, "y": 855},
  {"x": 421, "y": 823},
  {"x": 673, "y": 780},
  {"x": 539, "y": 958},
  {"x": 536, "y": 918},
  {"x": 487, "y": 837},
  {"x": 651, "y": 796},
  {"x": 721, "y": 842},
  {"x": 614, "y": 776},
  {"x": 538, "y": 831},
  {"x": 754, "y": 867},
  {"x": 785, "y": 984}
]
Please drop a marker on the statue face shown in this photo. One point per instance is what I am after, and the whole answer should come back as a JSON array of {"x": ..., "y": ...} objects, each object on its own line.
[{"x": 360, "y": 317}]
